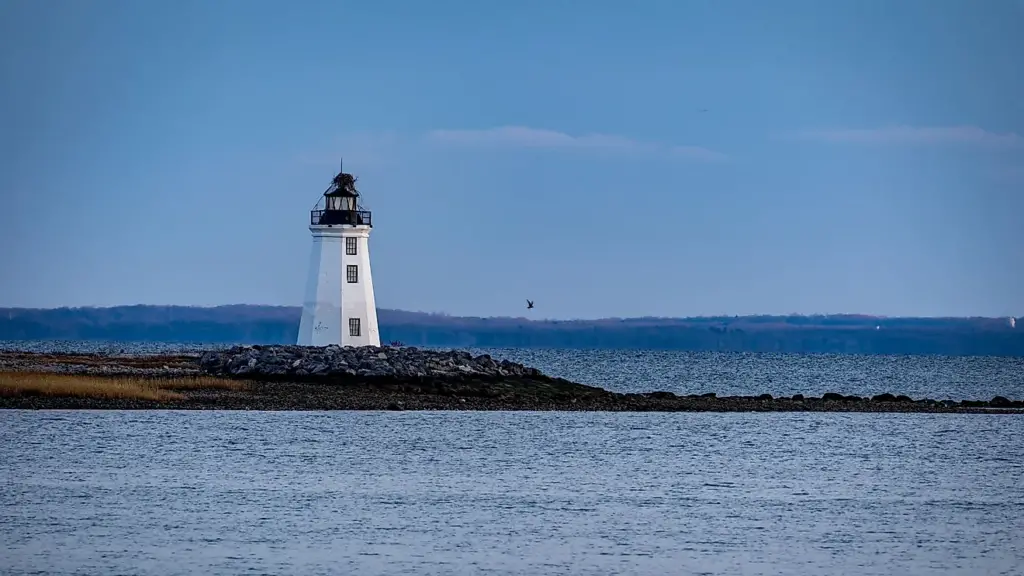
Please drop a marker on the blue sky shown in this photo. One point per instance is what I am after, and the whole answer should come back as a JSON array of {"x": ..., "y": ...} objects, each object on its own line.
[{"x": 604, "y": 159}]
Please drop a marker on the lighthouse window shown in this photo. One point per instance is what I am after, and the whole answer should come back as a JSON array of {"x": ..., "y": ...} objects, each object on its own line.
[
  {"x": 350, "y": 246},
  {"x": 353, "y": 326},
  {"x": 352, "y": 273}
]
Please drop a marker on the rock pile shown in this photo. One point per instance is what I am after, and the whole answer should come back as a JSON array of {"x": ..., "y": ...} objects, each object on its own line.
[{"x": 364, "y": 362}]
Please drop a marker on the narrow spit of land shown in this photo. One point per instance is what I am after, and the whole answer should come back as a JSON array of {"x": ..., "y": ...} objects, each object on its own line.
[{"x": 371, "y": 378}]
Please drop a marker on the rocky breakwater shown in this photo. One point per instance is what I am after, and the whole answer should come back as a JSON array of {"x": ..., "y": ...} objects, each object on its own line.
[
  {"x": 331, "y": 362},
  {"x": 408, "y": 370}
]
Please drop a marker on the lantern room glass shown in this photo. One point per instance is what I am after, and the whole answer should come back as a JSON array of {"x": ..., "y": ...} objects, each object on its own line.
[{"x": 344, "y": 203}]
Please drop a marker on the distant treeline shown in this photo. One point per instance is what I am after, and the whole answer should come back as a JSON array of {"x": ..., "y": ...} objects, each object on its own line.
[{"x": 857, "y": 334}]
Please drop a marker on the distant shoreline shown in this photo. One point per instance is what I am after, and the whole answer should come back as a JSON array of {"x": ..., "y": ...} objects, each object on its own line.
[
  {"x": 134, "y": 382},
  {"x": 835, "y": 334}
]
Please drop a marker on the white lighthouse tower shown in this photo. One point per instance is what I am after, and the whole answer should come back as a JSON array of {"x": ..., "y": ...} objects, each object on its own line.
[{"x": 339, "y": 307}]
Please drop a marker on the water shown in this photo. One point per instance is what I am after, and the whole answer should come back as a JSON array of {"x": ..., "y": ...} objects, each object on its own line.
[
  {"x": 534, "y": 493},
  {"x": 730, "y": 373},
  {"x": 510, "y": 493},
  {"x": 937, "y": 377}
]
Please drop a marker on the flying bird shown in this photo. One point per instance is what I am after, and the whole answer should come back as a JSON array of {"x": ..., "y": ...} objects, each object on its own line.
[{"x": 529, "y": 304}]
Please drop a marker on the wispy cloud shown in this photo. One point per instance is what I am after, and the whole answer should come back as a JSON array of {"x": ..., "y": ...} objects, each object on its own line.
[
  {"x": 525, "y": 137},
  {"x": 914, "y": 135},
  {"x": 533, "y": 138}
]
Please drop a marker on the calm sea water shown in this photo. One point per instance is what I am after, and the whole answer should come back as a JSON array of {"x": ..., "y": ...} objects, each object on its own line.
[
  {"x": 535, "y": 493},
  {"x": 938, "y": 377},
  {"x": 510, "y": 493}
]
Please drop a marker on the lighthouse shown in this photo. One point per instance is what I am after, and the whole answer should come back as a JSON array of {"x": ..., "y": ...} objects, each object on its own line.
[{"x": 339, "y": 307}]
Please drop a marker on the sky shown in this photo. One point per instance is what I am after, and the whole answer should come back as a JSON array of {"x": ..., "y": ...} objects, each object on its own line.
[{"x": 604, "y": 159}]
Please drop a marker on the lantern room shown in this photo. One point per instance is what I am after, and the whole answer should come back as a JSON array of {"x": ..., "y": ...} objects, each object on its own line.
[{"x": 341, "y": 205}]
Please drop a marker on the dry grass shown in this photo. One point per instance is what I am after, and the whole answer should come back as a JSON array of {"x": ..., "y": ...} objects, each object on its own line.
[
  {"x": 198, "y": 383},
  {"x": 158, "y": 389}
]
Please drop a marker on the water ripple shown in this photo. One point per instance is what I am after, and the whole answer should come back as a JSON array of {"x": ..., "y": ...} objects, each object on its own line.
[{"x": 510, "y": 493}]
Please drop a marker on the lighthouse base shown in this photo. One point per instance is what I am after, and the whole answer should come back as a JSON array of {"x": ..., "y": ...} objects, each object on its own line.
[{"x": 339, "y": 307}]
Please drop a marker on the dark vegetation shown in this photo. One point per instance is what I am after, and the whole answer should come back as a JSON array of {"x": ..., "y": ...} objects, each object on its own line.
[{"x": 858, "y": 334}]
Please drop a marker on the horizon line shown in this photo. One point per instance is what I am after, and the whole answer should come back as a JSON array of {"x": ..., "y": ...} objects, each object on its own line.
[{"x": 499, "y": 317}]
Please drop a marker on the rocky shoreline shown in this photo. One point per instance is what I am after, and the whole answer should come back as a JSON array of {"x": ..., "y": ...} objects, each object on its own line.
[{"x": 387, "y": 378}]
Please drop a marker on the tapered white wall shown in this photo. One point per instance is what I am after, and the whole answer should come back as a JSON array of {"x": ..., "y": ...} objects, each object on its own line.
[{"x": 330, "y": 298}]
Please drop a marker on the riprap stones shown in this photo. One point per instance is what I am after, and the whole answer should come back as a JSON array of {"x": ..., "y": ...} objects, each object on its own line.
[{"x": 332, "y": 362}]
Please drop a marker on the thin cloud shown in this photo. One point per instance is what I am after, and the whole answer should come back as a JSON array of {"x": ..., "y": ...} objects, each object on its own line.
[
  {"x": 532, "y": 138},
  {"x": 915, "y": 135},
  {"x": 525, "y": 137}
]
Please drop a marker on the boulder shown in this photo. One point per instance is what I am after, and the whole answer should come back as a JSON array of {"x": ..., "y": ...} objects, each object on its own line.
[
  {"x": 661, "y": 395},
  {"x": 1000, "y": 402}
]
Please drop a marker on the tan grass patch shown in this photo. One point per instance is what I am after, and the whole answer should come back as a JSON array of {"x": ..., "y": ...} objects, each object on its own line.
[
  {"x": 107, "y": 387},
  {"x": 198, "y": 383}
]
